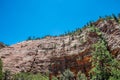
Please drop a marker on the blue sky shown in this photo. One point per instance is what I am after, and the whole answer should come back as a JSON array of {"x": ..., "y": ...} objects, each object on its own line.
[{"x": 22, "y": 18}]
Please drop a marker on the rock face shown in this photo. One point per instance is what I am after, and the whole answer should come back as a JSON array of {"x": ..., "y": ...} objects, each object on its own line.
[
  {"x": 70, "y": 51},
  {"x": 111, "y": 32}
]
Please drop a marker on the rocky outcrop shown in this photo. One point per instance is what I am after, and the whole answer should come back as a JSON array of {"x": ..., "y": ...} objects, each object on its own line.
[
  {"x": 35, "y": 55},
  {"x": 56, "y": 54},
  {"x": 111, "y": 32}
]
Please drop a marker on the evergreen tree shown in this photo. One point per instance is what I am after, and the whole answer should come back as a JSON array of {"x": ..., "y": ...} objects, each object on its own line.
[
  {"x": 105, "y": 67},
  {"x": 115, "y": 70},
  {"x": 29, "y": 38},
  {"x": 119, "y": 15},
  {"x": 114, "y": 17}
]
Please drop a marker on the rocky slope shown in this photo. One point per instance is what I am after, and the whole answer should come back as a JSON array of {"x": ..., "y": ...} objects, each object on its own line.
[{"x": 37, "y": 55}]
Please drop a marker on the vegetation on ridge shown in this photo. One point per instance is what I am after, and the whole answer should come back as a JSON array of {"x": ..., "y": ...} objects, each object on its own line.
[{"x": 77, "y": 31}]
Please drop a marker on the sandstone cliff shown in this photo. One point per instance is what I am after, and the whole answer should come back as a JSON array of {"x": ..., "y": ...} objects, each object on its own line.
[{"x": 37, "y": 55}]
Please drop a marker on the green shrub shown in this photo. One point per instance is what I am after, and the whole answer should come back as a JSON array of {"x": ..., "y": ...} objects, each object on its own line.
[
  {"x": 29, "y": 76},
  {"x": 54, "y": 78},
  {"x": 67, "y": 75},
  {"x": 7, "y": 75},
  {"x": 81, "y": 76}
]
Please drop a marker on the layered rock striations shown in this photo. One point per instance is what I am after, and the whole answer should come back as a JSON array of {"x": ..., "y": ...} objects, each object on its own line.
[{"x": 55, "y": 54}]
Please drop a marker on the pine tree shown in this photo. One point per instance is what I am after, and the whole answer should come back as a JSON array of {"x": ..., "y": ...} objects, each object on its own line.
[
  {"x": 29, "y": 38},
  {"x": 1, "y": 72},
  {"x": 119, "y": 15},
  {"x": 114, "y": 17},
  {"x": 115, "y": 70},
  {"x": 105, "y": 67}
]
